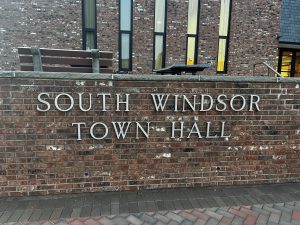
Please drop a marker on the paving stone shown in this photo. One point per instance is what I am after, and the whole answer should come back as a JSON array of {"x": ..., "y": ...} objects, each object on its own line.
[
  {"x": 188, "y": 216},
  {"x": 262, "y": 219},
  {"x": 134, "y": 220},
  {"x": 61, "y": 223},
  {"x": 200, "y": 222},
  {"x": 115, "y": 209},
  {"x": 133, "y": 207},
  {"x": 250, "y": 220},
  {"x": 214, "y": 215},
  {"x": 186, "y": 222},
  {"x": 105, "y": 209},
  {"x": 285, "y": 217},
  {"x": 219, "y": 201},
  {"x": 173, "y": 223},
  {"x": 158, "y": 223},
  {"x": 271, "y": 209},
  {"x": 177, "y": 204},
  {"x": 26, "y": 215},
  {"x": 186, "y": 204},
  {"x": 225, "y": 221},
  {"x": 96, "y": 210},
  {"x": 295, "y": 222},
  {"x": 174, "y": 217},
  {"x": 194, "y": 203},
  {"x": 162, "y": 218},
  {"x": 296, "y": 215},
  {"x": 148, "y": 219},
  {"x": 15, "y": 216},
  {"x": 224, "y": 213},
  {"x": 105, "y": 221},
  {"x": 76, "y": 212},
  {"x": 274, "y": 218},
  {"x": 120, "y": 221},
  {"x": 5, "y": 216},
  {"x": 212, "y": 221},
  {"x": 238, "y": 213},
  {"x": 92, "y": 222},
  {"x": 237, "y": 221},
  {"x": 35, "y": 216},
  {"x": 46, "y": 213},
  {"x": 200, "y": 215}
]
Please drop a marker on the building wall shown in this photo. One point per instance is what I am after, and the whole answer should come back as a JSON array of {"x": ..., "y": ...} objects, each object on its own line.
[
  {"x": 254, "y": 27},
  {"x": 40, "y": 152}
]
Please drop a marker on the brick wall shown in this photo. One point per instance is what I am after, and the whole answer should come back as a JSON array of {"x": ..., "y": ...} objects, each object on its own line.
[
  {"x": 40, "y": 152},
  {"x": 254, "y": 27}
]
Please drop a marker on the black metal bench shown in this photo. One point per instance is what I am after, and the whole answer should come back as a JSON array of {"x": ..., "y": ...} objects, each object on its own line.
[{"x": 177, "y": 69}]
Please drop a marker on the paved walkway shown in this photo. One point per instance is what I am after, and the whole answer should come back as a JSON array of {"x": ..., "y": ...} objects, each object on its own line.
[{"x": 265, "y": 204}]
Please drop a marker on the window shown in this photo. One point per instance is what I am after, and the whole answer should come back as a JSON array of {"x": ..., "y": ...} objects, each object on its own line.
[
  {"x": 224, "y": 28},
  {"x": 125, "y": 35},
  {"x": 192, "y": 32},
  {"x": 289, "y": 62},
  {"x": 159, "y": 46},
  {"x": 89, "y": 24}
]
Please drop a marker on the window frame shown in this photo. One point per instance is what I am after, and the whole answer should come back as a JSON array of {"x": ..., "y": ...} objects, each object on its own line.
[
  {"x": 163, "y": 34},
  {"x": 293, "y": 62},
  {"x": 196, "y": 36},
  {"x": 130, "y": 32},
  {"x": 86, "y": 30},
  {"x": 227, "y": 39}
]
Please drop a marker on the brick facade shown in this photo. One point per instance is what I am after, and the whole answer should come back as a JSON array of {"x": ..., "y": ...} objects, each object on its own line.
[
  {"x": 254, "y": 28},
  {"x": 40, "y": 153}
]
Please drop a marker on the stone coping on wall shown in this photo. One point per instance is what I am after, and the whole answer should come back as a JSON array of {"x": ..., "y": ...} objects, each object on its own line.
[{"x": 146, "y": 77}]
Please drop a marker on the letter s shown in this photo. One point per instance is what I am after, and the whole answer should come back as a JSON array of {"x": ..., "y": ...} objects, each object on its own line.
[{"x": 44, "y": 102}]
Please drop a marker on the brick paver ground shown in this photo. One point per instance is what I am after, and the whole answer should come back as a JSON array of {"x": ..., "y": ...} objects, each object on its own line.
[{"x": 262, "y": 205}]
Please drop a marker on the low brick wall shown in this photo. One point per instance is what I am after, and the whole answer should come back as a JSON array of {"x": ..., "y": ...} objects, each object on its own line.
[{"x": 70, "y": 133}]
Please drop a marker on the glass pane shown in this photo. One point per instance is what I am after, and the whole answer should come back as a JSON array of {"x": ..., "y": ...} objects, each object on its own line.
[
  {"x": 125, "y": 17},
  {"x": 193, "y": 16},
  {"x": 191, "y": 51},
  {"x": 90, "y": 40},
  {"x": 160, "y": 9},
  {"x": 277, "y": 60},
  {"x": 125, "y": 51},
  {"x": 158, "y": 52},
  {"x": 286, "y": 64},
  {"x": 224, "y": 17},
  {"x": 297, "y": 65},
  {"x": 89, "y": 13},
  {"x": 221, "y": 55}
]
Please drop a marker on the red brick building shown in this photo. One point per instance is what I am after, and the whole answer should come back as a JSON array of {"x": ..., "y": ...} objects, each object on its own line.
[
  {"x": 71, "y": 133},
  {"x": 152, "y": 35}
]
